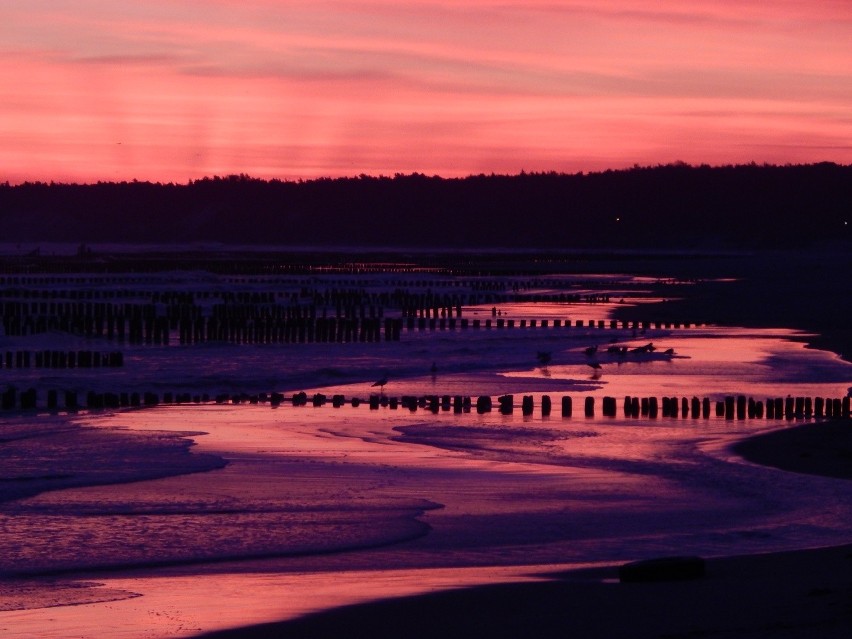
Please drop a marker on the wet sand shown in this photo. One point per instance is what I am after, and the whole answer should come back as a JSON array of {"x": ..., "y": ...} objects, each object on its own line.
[
  {"x": 816, "y": 449},
  {"x": 794, "y": 594},
  {"x": 805, "y": 593}
]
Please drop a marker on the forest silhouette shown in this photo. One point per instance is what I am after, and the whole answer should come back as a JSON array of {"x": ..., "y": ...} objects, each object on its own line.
[{"x": 670, "y": 206}]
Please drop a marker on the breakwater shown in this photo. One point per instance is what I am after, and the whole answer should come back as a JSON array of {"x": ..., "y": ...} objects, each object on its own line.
[{"x": 730, "y": 407}]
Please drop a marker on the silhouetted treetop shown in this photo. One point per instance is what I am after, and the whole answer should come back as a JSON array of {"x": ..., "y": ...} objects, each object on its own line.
[{"x": 675, "y": 205}]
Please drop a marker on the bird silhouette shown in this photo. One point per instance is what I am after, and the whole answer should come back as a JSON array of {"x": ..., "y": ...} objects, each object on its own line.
[
  {"x": 594, "y": 365},
  {"x": 381, "y": 383},
  {"x": 543, "y": 357}
]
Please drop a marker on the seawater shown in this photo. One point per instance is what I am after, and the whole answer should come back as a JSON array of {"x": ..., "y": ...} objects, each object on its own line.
[
  {"x": 455, "y": 489},
  {"x": 310, "y": 500}
]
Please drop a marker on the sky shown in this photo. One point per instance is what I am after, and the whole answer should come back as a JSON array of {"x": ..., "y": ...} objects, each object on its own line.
[{"x": 173, "y": 90}]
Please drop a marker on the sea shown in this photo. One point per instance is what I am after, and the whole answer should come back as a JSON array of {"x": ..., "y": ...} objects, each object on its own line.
[{"x": 222, "y": 507}]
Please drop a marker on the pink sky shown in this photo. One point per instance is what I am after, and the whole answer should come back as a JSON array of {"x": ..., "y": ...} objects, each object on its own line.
[{"x": 171, "y": 90}]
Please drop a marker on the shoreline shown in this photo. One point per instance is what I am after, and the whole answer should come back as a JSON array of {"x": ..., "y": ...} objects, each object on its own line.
[
  {"x": 806, "y": 592},
  {"x": 785, "y": 594},
  {"x": 739, "y": 596}
]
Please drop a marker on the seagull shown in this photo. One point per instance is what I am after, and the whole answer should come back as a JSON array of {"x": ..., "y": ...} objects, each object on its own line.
[
  {"x": 381, "y": 383},
  {"x": 594, "y": 365},
  {"x": 591, "y": 350}
]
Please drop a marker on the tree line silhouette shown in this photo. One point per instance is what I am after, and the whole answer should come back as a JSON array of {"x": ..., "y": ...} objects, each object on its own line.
[{"x": 667, "y": 206}]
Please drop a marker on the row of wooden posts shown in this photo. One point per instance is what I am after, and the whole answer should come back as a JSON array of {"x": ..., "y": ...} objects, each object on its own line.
[
  {"x": 61, "y": 359},
  {"x": 159, "y": 330},
  {"x": 731, "y": 407},
  {"x": 96, "y": 302},
  {"x": 57, "y": 286}
]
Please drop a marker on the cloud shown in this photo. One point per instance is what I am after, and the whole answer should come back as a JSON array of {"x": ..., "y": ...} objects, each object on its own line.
[{"x": 324, "y": 86}]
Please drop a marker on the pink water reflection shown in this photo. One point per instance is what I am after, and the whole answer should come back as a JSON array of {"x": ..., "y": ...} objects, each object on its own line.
[{"x": 498, "y": 493}]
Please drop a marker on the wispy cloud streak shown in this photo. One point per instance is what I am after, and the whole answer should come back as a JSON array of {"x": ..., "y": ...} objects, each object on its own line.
[{"x": 99, "y": 89}]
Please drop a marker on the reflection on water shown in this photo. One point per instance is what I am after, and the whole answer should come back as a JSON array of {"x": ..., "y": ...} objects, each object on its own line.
[
  {"x": 712, "y": 363},
  {"x": 312, "y": 499}
]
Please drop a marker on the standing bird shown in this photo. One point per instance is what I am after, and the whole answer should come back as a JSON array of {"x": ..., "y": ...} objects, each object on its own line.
[{"x": 381, "y": 383}]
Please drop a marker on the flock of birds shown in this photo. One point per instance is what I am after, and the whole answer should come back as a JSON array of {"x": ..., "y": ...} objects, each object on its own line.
[{"x": 546, "y": 357}]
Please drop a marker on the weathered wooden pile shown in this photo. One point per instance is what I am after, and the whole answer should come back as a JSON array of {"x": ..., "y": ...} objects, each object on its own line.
[{"x": 730, "y": 407}]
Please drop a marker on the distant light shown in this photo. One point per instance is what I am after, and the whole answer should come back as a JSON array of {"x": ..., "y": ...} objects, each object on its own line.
[{"x": 618, "y": 219}]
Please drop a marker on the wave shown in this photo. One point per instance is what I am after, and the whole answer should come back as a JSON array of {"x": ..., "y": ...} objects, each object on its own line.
[{"x": 108, "y": 542}]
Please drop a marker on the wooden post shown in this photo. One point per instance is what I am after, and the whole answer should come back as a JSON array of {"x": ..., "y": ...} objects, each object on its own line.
[
  {"x": 566, "y": 406},
  {"x": 730, "y": 404},
  {"x": 589, "y": 407},
  {"x": 28, "y": 399},
  {"x": 432, "y": 403},
  {"x": 545, "y": 405},
  {"x": 483, "y": 404}
]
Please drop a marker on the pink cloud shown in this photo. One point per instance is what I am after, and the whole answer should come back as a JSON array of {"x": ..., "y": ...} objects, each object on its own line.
[{"x": 163, "y": 90}]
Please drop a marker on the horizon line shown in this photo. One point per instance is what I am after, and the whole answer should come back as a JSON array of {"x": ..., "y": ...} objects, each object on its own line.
[{"x": 380, "y": 176}]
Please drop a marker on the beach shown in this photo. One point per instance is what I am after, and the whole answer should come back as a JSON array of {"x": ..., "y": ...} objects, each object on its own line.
[
  {"x": 376, "y": 519},
  {"x": 796, "y": 594},
  {"x": 804, "y": 593}
]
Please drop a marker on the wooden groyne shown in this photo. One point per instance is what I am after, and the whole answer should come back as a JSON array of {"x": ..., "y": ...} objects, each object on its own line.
[
  {"x": 306, "y": 311},
  {"x": 61, "y": 359},
  {"x": 730, "y": 407},
  {"x": 141, "y": 325}
]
